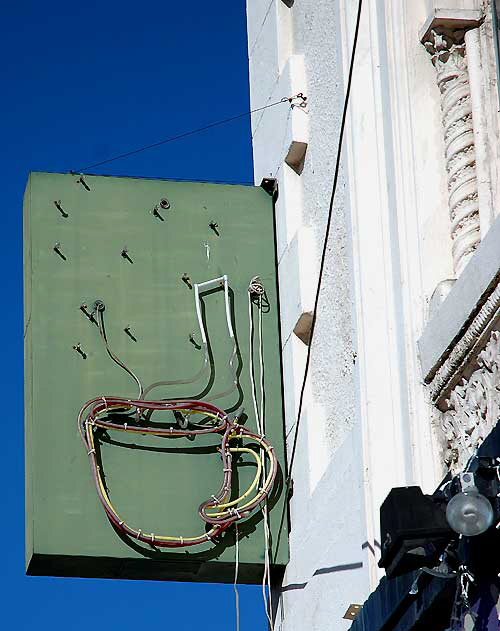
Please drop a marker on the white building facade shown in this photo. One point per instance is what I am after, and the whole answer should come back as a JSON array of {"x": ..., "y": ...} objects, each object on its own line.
[{"x": 405, "y": 355}]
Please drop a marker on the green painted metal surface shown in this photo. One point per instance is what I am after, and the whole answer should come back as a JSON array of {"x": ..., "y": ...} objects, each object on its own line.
[{"x": 156, "y": 484}]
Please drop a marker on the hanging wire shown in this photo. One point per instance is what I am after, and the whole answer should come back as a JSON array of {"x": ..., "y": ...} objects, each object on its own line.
[
  {"x": 99, "y": 308},
  {"x": 260, "y": 29},
  {"x": 253, "y": 289},
  {"x": 266, "y": 580},
  {"x": 235, "y": 583},
  {"x": 192, "y": 132},
  {"x": 323, "y": 256},
  {"x": 256, "y": 291}
]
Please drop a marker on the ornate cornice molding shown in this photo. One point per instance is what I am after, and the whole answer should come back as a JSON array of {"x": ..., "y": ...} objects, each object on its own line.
[
  {"x": 473, "y": 408},
  {"x": 466, "y": 346}
]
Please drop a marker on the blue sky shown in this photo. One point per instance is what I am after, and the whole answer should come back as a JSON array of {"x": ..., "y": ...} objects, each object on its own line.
[{"x": 80, "y": 83}]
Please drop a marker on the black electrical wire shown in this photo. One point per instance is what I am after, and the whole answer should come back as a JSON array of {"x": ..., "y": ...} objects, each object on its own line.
[
  {"x": 185, "y": 134},
  {"x": 175, "y": 179},
  {"x": 323, "y": 253},
  {"x": 166, "y": 179}
]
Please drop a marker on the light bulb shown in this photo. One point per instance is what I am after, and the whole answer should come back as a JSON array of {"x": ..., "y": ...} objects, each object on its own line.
[{"x": 469, "y": 513}]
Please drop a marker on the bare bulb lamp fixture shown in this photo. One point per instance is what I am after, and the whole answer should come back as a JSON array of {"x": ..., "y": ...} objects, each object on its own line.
[{"x": 416, "y": 528}]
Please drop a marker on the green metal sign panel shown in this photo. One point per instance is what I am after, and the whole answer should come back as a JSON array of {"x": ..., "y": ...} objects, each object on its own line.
[{"x": 144, "y": 248}]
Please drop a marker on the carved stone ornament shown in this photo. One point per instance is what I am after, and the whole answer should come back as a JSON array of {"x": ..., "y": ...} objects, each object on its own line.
[
  {"x": 466, "y": 347},
  {"x": 473, "y": 408},
  {"x": 448, "y": 53}
]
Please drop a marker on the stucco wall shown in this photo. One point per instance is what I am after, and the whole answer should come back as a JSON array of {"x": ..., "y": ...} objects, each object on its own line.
[{"x": 328, "y": 567}]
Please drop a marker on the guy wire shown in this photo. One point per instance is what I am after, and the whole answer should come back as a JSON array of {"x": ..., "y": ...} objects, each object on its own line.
[
  {"x": 323, "y": 257},
  {"x": 185, "y": 134}
]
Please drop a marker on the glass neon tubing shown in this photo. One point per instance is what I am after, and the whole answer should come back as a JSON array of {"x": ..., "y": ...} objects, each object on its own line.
[{"x": 90, "y": 417}]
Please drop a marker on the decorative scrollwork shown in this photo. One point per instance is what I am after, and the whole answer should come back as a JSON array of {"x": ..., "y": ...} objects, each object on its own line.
[{"x": 473, "y": 407}]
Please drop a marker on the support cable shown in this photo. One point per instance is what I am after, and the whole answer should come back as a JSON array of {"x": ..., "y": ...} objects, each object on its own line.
[
  {"x": 324, "y": 251},
  {"x": 297, "y": 100}
]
